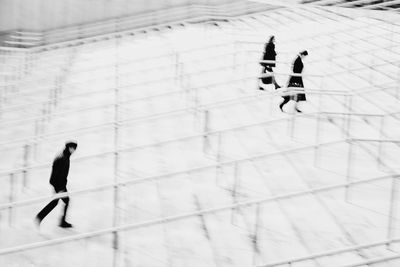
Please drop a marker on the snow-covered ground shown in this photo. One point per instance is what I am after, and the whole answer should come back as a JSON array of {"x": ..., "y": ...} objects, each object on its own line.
[{"x": 194, "y": 134}]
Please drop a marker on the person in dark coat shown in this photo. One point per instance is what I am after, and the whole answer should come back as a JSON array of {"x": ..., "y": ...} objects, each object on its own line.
[
  {"x": 296, "y": 82},
  {"x": 269, "y": 54},
  {"x": 58, "y": 179}
]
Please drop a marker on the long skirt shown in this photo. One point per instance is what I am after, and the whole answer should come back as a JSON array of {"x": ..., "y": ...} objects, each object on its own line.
[{"x": 296, "y": 83}]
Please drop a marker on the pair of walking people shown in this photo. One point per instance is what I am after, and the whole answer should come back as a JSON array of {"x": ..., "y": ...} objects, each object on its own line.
[{"x": 295, "y": 83}]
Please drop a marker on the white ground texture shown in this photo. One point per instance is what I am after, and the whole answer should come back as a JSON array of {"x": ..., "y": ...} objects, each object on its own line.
[{"x": 191, "y": 119}]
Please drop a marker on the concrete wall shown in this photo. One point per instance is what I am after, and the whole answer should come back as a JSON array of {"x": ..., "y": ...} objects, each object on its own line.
[{"x": 53, "y": 14}]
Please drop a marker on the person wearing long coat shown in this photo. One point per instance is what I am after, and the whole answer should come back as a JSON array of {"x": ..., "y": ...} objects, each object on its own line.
[
  {"x": 296, "y": 82},
  {"x": 58, "y": 179},
  {"x": 270, "y": 55}
]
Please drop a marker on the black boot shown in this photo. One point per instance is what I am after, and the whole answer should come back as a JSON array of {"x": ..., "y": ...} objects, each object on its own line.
[
  {"x": 65, "y": 224},
  {"x": 286, "y": 99},
  {"x": 281, "y": 106}
]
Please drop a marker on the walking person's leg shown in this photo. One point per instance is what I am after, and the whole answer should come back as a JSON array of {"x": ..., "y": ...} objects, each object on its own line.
[
  {"x": 46, "y": 210},
  {"x": 300, "y": 98},
  {"x": 63, "y": 222},
  {"x": 277, "y": 86},
  {"x": 296, "y": 100},
  {"x": 286, "y": 99}
]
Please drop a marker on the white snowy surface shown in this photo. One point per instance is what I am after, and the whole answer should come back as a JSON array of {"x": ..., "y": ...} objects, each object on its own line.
[{"x": 347, "y": 54}]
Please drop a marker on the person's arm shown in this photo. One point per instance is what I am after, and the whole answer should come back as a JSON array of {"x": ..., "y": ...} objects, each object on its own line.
[
  {"x": 56, "y": 169},
  {"x": 297, "y": 65}
]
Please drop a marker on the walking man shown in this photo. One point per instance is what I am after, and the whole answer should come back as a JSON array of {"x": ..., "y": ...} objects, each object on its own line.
[{"x": 58, "y": 180}]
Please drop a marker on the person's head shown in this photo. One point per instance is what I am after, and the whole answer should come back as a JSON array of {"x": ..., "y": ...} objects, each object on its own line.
[
  {"x": 71, "y": 146},
  {"x": 271, "y": 39},
  {"x": 303, "y": 53}
]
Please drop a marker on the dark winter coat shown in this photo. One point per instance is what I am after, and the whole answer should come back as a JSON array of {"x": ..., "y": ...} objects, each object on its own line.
[
  {"x": 60, "y": 170},
  {"x": 269, "y": 54},
  {"x": 297, "y": 81}
]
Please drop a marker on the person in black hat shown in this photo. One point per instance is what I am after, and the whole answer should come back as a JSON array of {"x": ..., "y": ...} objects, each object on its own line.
[
  {"x": 58, "y": 179},
  {"x": 296, "y": 82},
  {"x": 270, "y": 56}
]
